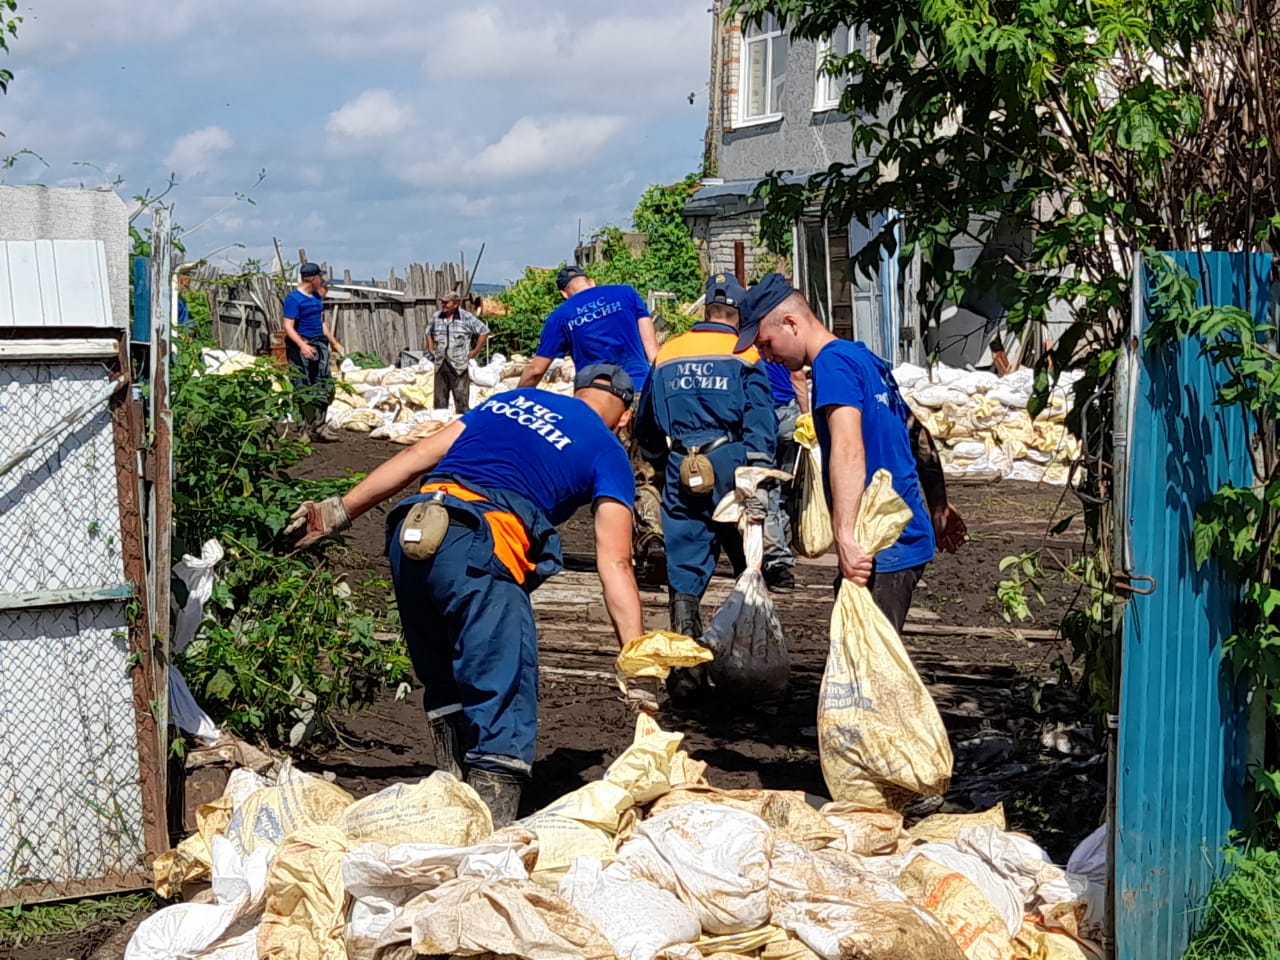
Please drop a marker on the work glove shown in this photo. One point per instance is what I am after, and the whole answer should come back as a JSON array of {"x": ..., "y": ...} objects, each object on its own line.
[
  {"x": 312, "y": 520},
  {"x": 756, "y": 507},
  {"x": 637, "y": 695}
]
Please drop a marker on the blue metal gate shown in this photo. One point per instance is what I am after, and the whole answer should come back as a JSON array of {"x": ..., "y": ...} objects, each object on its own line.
[{"x": 1182, "y": 739}]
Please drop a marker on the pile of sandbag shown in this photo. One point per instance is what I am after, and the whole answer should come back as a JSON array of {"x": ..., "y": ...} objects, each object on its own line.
[
  {"x": 397, "y": 403},
  {"x": 648, "y": 862},
  {"x": 981, "y": 424}
]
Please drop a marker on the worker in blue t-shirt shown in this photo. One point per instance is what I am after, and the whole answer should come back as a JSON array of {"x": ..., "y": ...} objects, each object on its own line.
[
  {"x": 863, "y": 425},
  {"x": 703, "y": 399},
  {"x": 790, "y": 399},
  {"x": 507, "y": 473},
  {"x": 307, "y": 344},
  {"x": 606, "y": 324}
]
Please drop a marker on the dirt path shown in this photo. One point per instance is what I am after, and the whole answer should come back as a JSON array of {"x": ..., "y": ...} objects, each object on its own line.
[{"x": 1018, "y": 737}]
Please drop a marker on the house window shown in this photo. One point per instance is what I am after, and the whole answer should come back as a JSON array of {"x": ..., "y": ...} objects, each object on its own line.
[
  {"x": 764, "y": 68},
  {"x": 827, "y": 89}
]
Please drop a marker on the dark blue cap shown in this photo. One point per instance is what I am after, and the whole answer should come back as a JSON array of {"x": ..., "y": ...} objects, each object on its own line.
[
  {"x": 725, "y": 288},
  {"x": 309, "y": 270},
  {"x": 568, "y": 273},
  {"x": 609, "y": 378},
  {"x": 759, "y": 299}
]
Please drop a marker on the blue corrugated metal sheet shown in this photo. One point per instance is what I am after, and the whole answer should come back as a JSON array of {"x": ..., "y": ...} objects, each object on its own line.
[{"x": 1182, "y": 750}]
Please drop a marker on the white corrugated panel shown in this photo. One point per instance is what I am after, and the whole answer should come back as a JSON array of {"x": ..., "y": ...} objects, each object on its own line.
[{"x": 55, "y": 283}]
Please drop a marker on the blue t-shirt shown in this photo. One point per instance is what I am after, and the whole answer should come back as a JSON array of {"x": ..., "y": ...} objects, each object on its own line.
[
  {"x": 553, "y": 450},
  {"x": 307, "y": 313},
  {"x": 599, "y": 325},
  {"x": 847, "y": 374},
  {"x": 784, "y": 391}
]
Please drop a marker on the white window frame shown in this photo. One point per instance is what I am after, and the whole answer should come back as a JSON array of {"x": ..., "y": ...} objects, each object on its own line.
[
  {"x": 824, "y": 85},
  {"x": 765, "y": 37}
]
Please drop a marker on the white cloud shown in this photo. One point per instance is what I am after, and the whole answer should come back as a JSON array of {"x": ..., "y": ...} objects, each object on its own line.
[
  {"x": 532, "y": 146},
  {"x": 373, "y": 114},
  {"x": 194, "y": 152}
]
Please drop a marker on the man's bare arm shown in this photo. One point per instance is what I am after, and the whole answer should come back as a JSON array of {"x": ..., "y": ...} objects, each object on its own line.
[
  {"x": 848, "y": 476},
  {"x": 613, "y": 564},
  {"x": 534, "y": 371}
]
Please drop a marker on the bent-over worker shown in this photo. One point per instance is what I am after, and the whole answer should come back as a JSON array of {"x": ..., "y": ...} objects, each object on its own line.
[
  {"x": 711, "y": 403},
  {"x": 506, "y": 473},
  {"x": 608, "y": 324},
  {"x": 863, "y": 425}
]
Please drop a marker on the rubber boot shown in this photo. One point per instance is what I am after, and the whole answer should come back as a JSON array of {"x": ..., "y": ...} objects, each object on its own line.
[
  {"x": 500, "y": 792},
  {"x": 687, "y": 686},
  {"x": 448, "y": 744}
]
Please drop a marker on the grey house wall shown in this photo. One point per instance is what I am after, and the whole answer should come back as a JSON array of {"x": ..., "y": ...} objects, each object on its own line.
[{"x": 801, "y": 141}]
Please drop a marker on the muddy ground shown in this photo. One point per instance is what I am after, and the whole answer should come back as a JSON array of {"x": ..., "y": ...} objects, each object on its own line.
[{"x": 1020, "y": 737}]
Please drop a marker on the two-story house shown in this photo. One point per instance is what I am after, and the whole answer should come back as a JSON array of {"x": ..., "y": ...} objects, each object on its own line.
[{"x": 771, "y": 108}]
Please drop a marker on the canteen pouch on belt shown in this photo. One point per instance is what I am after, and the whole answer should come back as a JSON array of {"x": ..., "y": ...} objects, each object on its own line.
[
  {"x": 424, "y": 527},
  {"x": 697, "y": 476}
]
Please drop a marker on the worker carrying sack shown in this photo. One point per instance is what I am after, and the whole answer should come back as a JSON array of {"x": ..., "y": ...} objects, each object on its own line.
[
  {"x": 751, "y": 662},
  {"x": 813, "y": 533},
  {"x": 880, "y": 738},
  {"x": 424, "y": 527}
]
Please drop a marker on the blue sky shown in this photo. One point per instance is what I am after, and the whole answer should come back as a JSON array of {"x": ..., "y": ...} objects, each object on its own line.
[{"x": 391, "y": 131}]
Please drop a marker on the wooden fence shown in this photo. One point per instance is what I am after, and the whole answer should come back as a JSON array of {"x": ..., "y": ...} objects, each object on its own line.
[{"x": 248, "y": 310}]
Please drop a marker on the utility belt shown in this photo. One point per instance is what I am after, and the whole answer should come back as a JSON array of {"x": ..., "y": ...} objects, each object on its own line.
[
  {"x": 697, "y": 475},
  {"x": 427, "y": 521}
]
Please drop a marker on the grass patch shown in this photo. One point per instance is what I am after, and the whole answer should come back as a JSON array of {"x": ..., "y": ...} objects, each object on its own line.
[
  {"x": 1240, "y": 919},
  {"x": 23, "y": 924}
]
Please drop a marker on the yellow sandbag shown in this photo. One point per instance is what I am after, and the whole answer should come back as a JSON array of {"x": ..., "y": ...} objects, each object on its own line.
[
  {"x": 814, "y": 537},
  {"x": 947, "y": 826},
  {"x": 656, "y": 652},
  {"x": 962, "y": 908},
  {"x": 272, "y": 813},
  {"x": 302, "y": 915},
  {"x": 865, "y": 831},
  {"x": 740, "y": 943},
  {"x": 585, "y": 822},
  {"x": 786, "y": 811},
  {"x": 879, "y": 732},
  {"x": 437, "y": 809},
  {"x": 417, "y": 396},
  {"x": 1034, "y": 942}
]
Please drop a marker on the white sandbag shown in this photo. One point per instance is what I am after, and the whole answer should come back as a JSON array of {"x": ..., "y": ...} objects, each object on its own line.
[
  {"x": 488, "y": 375},
  {"x": 751, "y": 663},
  {"x": 840, "y": 911},
  {"x": 880, "y": 737},
  {"x": 380, "y": 880},
  {"x": 1009, "y": 396},
  {"x": 975, "y": 381},
  {"x": 1027, "y": 471},
  {"x": 1003, "y": 895},
  {"x": 933, "y": 396},
  {"x": 196, "y": 929},
  {"x": 636, "y": 916},
  {"x": 908, "y": 375},
  {"x": 394, "y": 375},
  {"x": 969, "y": 450},
  {"x": 1089, "y": 859},
  {"x": 713, "y": 857},
  {"x": 943, "y": 376}
]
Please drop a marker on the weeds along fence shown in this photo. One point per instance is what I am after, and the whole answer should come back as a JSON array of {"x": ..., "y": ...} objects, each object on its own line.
[{"x": 389, "y": 316}]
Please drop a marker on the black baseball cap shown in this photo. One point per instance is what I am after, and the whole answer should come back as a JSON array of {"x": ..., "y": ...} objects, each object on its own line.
[
  {"x": 759, "y": 299},
  {"x": 725, "y": 288},
  {"x": 309, "y": 270},
  {"x": 568, "y": 273},
  {"x": 608, "y": 377}
]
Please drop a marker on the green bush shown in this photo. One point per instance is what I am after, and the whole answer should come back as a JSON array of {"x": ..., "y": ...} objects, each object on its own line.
[
  {"x": 283, "y": 644},
  {"x": 1240, "y": 919}
]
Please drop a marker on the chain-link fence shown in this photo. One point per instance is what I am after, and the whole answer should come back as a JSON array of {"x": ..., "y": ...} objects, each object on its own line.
[{"x": 78, "y": 755}]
